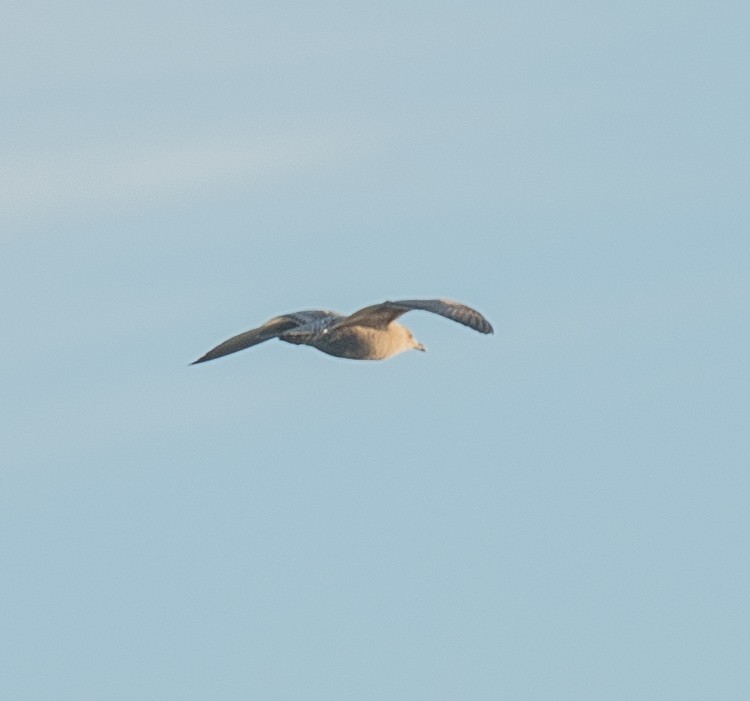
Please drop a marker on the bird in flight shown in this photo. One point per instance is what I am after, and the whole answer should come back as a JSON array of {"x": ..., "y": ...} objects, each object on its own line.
[{"x": 371, "y": 333}]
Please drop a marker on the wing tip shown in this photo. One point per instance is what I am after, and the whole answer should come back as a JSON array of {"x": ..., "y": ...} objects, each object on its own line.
[{"x": 484, "y": 325}]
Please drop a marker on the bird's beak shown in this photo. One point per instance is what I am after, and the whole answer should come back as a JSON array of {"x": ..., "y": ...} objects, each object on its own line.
[{"x": 420, "y": 347}]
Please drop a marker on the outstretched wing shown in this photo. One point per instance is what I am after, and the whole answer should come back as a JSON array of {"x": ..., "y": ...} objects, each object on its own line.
[
  {"x": 380, "y": 315},
  {"x": 271, "y": 329},
  {"x": 250, "y": 338}
]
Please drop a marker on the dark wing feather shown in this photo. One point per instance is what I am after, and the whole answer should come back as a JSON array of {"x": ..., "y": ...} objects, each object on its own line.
[
  {"x": 269, "y": 330},
  {"x": 380, "y": 315}
]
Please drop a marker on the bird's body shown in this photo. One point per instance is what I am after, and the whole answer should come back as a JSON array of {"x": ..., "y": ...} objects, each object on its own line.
[
  {"x": 356, "y": 342},
  {"x": 371, "y": 333}
]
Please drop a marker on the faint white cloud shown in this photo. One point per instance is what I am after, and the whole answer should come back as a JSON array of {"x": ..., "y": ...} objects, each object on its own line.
[{"x": 99, "y": 174}]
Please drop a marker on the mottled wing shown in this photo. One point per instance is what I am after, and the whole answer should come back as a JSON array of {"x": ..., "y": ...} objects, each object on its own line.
[
  {"x": 315, "y": 317},
  {"x": 316, "y": 323},
  {"x": 455, "y": 311},
  {"x": 271, "y": 329},
  {"x": 380, "y": 315}
]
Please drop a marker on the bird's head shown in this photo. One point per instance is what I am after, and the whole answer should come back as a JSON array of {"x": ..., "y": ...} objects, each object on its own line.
[{"x": 414, "y": 344}]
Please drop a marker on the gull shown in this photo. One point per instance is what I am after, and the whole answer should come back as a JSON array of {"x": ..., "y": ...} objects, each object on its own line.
[{"x": 371, "y": 333}]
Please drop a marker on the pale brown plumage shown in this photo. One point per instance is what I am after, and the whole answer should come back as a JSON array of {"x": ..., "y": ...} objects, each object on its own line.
[{"x": 371, "y": 333}]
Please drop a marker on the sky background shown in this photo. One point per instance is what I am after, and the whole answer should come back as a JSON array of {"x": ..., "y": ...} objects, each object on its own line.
[{"x": 558, "y": 511}]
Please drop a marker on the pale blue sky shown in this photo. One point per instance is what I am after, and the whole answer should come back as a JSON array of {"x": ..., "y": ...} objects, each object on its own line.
[{"x": 558, "y": 511}]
